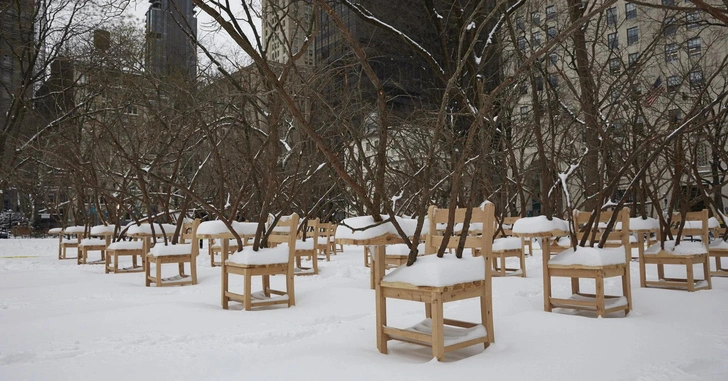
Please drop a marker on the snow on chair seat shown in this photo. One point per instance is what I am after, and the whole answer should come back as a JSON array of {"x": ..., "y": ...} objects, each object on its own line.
[
  {"x": 718, "y": 249},
  {"x": 92, "y": 244},
  {"x": 593, "y": 263},
  {"x": 435, "y": 281},
  {"x": 70, "y": 243},
  {"x": 508, "y": 247},
  {"x": 180, "y": 253},
  {"x": 686, "y": 253},
  {"x": 124, "y": 248},
  {"x": 277, "y": 260}
]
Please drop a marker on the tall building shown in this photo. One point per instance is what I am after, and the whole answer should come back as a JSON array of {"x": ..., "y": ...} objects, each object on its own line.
[
  {"x": 170, "y": 33},
  {"x": 17, "y": 45},
  {"x": 285, "y": 26}
]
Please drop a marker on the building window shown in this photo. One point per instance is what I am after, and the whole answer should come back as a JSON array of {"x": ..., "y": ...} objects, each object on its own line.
[
  {"x": 524, "y": 88},
  {"x": 692, "y": 19},
  {"x": 670, "y": 27},
  {"x": 524, "y": 112},
  {"x": 632, "y": 58},
  {"x": 636, "y": 91},
  {"x": 536, "y": 39},
  {"x": 539, "y": 83},
  {"x": 670, "y": 52},
  {"x": 614, "y": 65},
  {"x": 612, "y": 41},
  {"x": 554, "y": 80},
  {"x": 553, "y": 59},
  {"x": 612, "y": 16},
  {"x": 673, "y": 83},
  {"x": 520, "y": 24},
  {"x": 633, "y": 35},
  {"x": 550, "y": 12},
  {"x": 694, "y": 47},
  {"x": 630, "y": 11},
  {"x": 131, "y": 110},
  {"x": 674, "y": 115},
  {"x": 668, "y": 2},
  {"x": 535, "y": 18},
  {"x": 696, "y": 79},
  {"x": 551, "y": 33},
  {"x": 522, "y": 43},
  {"x": 614, "y": 95}
]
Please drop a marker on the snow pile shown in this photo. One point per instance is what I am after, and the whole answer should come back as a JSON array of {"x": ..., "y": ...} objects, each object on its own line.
[
  {"x": 684, "y": 248},
  {"x": 78, "y": 229},
  {"x": 539, "y": 224},
  {"x": 92, "y": 242},
  {"x": 146, "y": 229},
  {"x": 506, "y": 243},
  {"x": 432, "y": 271},
  {"x": 217, "y": 227},
  {"x": 167, "y": 250},
  {"x": 264, "y": 256},
  {"x": 589, "y": 256},
  {"x": 126, "y": 245},
  {"x": 343, "y": 230},
  {"x": 103, "y": 230}
]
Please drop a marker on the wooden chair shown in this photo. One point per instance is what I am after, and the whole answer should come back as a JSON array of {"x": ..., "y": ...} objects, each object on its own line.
[
  {"x": 686, "y": 254},
  {"x": 332, "y": 239},
  {"x": 718, "y": 249},
  {"x": 75, "y": 235},
  {"x": 506, "y": 246},
  {"x": 307, "y": 249},
  {"x": 103, "y": 234},
  {"x": 122, "y": 249},
  {"x": 214, "y": 247},
  {"x": 323, "y": 242},
  {"x": 593, "y": 263},
  {"x": 442, "y": 334},
  {"x": 185, "y": 251},
  {"x": 276, "y": 260}
]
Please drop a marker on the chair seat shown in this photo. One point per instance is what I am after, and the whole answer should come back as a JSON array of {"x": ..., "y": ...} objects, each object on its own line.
[
  {"x": 67, "y": 241},
  {"x": 507, "y": 243},
  {"x": 718, "y": 245},
  {"x": 566, "y": 241},
  {"x": 171, "y": 250},
  {"x": 267, "y": 256},
  {"x": 589, "y": 257},
  {"x": 432, "y": 271},
  {"x": 402, "y": 249},
  {"x": 126, "y": 245},
  {"x": 684, "y": 248},
  {"x": 92, "y": 242}
]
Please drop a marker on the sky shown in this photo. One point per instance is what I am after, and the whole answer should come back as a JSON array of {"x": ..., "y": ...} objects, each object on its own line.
[{"x": 217, "y": 41}]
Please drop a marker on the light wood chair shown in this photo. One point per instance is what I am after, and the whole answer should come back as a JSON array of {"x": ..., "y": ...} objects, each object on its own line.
[
  {"x": 686, "y": 254},
  {"x": 323, "y": 242},
  {"x": 275, "y": 260},
  {"x": 307, "y": 249},
  {"x": 718, "y": 249},
  {"x": 123, "y": 249},
  {"x": 185, "y": 251},
  {"x": 442, "y": 334},
  {"x": 103, "y": 234},
  {"x": 594, "y": 263},
  {"x": 214, "y": 247},
  {"x": 506, "y": 246},
  {"x": 75, "y": 235}
]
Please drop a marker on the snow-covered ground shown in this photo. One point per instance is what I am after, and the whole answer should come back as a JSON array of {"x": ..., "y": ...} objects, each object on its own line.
[{"x": 61, "y": 321}]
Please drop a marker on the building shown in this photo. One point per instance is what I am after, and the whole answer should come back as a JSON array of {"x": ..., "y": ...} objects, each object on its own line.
[
  {"x": 171, "y": 31},
  {"x": 649, "y": 69},
  {"x": 285, "y": 27},
  {"x": 17, "y": 42}
]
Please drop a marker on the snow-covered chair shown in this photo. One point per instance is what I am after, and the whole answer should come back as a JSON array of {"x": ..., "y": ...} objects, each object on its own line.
[
  {"x": 719, "y": 249},
  {"x": 75, "y": 235},
  {"x": 435, "y": 281},
  {"x": 277, "y": 260},
  {"x": 185, "y": 251},
  {"x": 103, "y": 235},
  {"x": 214, "y": 247},
  {"x": 307, "y": 248},
  {"x": 120, "y": 249},
  {"x": 594, "y": 263},
  {"x": 323, "y": 242},
  {"x": 685, "y": 253}
]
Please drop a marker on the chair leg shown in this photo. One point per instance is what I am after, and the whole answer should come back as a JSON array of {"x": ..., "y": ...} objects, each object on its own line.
[
  {"x": 247, "y": 289},
  {"x": 147, "y": 271},
  {"x": 660, "y": 271},
  {"x": 224, "y": 287},
  {"x": 706, "y": 272},
  {"x": 158, "y": 271},
  {"x": 381, "y": 303},
  {"x": 314, "y": 258},
  {"x": 106, "y": 264},
  {"x": 599, "y": 293},
  {"x": 691, "y": 276},
  {"x": 193, "y": 269},
  {"x": 290, "y": 288},
  {"x": 627, "y": 289},
  {"x": 265, "y": 280},
  {"x": 438, "y": 336}
]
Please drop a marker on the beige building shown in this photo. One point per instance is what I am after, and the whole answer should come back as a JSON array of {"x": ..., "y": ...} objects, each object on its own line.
[{"x": 286, "y": 23}]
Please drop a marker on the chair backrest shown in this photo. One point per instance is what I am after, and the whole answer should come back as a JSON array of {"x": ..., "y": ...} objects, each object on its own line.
[
  {"x": 312, "y": 230},
  {"x": 507, "y": 225},
  {"x": 285, "y": 233},
  {"x": 696, "y": 224},
  {"x": 188, "y": 234},
  {"x": 482, "y": 242},
  {"x": 617, "y": 233},
  {"x": 325, "y": 230}
]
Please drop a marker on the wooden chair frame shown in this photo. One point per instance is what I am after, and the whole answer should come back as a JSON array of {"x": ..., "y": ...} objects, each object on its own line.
[
  {"x": 312, "y": 253},
  {"x": 324, "y": 233},
  {"x": 63, "y": 246},
  {"x": 263, "y": 298},
  {"x": 500, "y": 269},
  {"x": 435, "y": 297},
  {"x": 598, "y": 302},
  {"x": 188, "y": 232},
  {"x": 663, "y": 258},
  {"x": 113, "y": 254}
]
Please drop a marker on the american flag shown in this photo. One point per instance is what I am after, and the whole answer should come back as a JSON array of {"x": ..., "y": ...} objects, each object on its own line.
[{"x": 654, "y": 93}]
